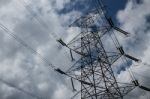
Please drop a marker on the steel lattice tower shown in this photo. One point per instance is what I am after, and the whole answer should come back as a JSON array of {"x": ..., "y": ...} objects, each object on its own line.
[{"x": 94, "y": 68}]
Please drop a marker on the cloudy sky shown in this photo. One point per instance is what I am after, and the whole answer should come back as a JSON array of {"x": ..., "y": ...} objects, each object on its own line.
[{"x": 38, "y": 23}]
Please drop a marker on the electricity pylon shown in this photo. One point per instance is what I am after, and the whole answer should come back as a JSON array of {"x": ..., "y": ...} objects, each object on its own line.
[{"x": 94, "y": 68}]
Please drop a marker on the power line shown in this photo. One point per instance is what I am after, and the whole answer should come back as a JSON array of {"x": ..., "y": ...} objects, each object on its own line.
[
  {"x": 141, "y": 75},
  {"x": 20, "y": 89},
  {"x": 117, "y": 45},
  {"x": 38, "y": 19},
  {"x": 26, "y": 45},
  {"x": 38, "y": 54}
]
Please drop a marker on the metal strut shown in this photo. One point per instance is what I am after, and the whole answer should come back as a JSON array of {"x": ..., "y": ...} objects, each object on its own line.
[
  {"x": 71, "y": 55},
  {"x": 97, "y": 76},
  {"x": 73, "y": 85}
]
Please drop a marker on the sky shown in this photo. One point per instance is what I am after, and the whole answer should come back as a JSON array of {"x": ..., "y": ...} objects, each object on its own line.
[{"x": 39, "y": 23}]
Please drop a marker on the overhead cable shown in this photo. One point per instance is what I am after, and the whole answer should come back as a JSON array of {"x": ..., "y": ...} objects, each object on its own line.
[{"x": 20, "y": 89}]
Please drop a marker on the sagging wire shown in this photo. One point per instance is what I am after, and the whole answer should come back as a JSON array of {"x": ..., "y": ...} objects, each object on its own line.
[
  {"x": 128, "y": 69},
  {"x": 143, "y": 63},
  {"x": 38, "y": 54},
  {"x": 117, "y": 45},
  {"x": 115, "y": 40},
  {"x": 41, "y": 22},
  {"x": 20, "y": 89},
  {"x": 25, "y": 45},
  {"x": 141, "y": 75},
  {"x": 38, "y": 19}
]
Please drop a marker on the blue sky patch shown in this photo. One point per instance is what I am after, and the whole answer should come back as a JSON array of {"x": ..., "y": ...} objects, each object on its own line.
[{"x": 112, "y": 7}]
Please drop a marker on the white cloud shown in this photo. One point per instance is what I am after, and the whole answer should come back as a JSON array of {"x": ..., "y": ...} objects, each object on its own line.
[
  {"x": 134, "y": 19},
  {"x": 35, "y": 23},
  {"x": 39, "y": 25}
]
